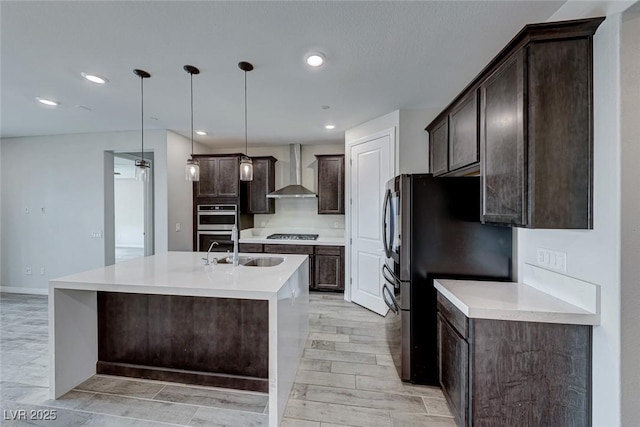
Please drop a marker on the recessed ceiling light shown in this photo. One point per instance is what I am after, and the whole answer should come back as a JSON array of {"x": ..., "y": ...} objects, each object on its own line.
[
  {"x": 94, "y": 79},
  {"x": 201, "y": 132},
  {"x": 315, "y": 59},
  {"x": 48, "y": 102},
  {"x": 329, "y": 127}
]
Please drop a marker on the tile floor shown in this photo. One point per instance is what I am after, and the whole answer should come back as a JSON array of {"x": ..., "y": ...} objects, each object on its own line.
[{"x": 346, "y": 378}]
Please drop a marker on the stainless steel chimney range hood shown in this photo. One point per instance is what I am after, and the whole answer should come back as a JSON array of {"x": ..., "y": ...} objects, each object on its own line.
[{"x": 295, "y": 190}]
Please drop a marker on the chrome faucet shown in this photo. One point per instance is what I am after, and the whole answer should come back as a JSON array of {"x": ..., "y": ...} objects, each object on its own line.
[
  {"x": 234, "y": 236},
  {"x": 206, "y": 260}
]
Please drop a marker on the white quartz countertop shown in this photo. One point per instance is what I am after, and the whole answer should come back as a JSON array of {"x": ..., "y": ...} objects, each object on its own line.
[
  {"x": 183, "y": 273},
  {"x": 326, "y": 237},
  {"x": 511, "y": 301}
]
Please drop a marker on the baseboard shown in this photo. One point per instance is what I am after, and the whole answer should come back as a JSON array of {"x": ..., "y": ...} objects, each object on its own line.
[
  {"x": 23, "y": 290},
  {"x": 209, "y": 379}
]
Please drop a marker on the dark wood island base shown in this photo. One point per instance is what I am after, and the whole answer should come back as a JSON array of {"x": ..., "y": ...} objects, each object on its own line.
[{"x": 221, "y": 342}]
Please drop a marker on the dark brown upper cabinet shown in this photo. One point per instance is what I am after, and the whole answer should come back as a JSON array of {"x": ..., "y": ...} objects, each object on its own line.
[
  {"x": 330, "y": 183},
  {"x": 503, "y": 146},
  {"x": 453, "y": 138},
  {"x": 439, "y": 146},
  {"x": 463, "y": 133},
  {"x": 535, "y": 127},
  {"x": 264, "y": 182},
  {"x": 219, "y": 176}
]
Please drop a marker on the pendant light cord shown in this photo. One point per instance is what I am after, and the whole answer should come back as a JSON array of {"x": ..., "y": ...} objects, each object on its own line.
[
  {"x": 191, "y": 74},
  {"x": 246, "y": 148},
  {"x": 142, "y": 116}
]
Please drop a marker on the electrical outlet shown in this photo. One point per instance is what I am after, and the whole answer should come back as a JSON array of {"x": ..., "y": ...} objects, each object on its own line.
[
  {"x": 42, "y": 271},
  {"x": 27, "y": 271},
  {"x": 554, "y": 260},
  {"x": 178, "y": 226},
  {"x": 26, "y": 210},
  {"x": 96, "y": 234}
]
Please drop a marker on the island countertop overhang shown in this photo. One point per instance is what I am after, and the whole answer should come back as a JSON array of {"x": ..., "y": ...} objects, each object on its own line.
[{"x": 183, "y": 273}]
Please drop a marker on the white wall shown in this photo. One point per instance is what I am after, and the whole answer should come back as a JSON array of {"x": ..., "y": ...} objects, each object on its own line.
[
  {"x": 412, "y": 141},
  {"x": 129, "y": 212},
  {"x": 301, "y": 213},
  {"x": 594, "y": 255},
  {"x": 180, "y": 192},
  {"x": 1, "y": 237},
  {"x": 630, "y": 240},
  {"x": 413, "y": 147},
  {"x": 66, "y": 178}
]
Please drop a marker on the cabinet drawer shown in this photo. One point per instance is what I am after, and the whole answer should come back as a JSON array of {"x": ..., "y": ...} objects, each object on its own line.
[
  {"x": 454, "y": 316},
  {"x": 329, "y": 250},
  {"x": 251, "y": 247},
  {"x": 288, "y": 249}
]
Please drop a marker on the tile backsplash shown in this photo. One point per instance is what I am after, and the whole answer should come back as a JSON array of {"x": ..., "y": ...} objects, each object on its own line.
[{"x": 298, "y": 213}]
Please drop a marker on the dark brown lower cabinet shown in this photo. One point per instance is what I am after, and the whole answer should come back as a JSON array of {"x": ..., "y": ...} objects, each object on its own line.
[
  {"x": 509, "y": 373},
  {"x": 221, "y": 342},
  {"x": 329, "y": 268},
  {"x": 326, "y": 263},
  {"x": 256, "y": 248}
]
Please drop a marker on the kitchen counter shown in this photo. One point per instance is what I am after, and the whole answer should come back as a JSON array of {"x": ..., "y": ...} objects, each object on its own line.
[
  {"x": 511, "y": 301},
  {"x": 183, "y": 273},
  {"x": 326, "y": 236},
  {"x": 76, "y": 311}
]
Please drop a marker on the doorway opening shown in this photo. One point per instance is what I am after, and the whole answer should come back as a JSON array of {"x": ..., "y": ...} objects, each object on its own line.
[{"x": 132, "y": 209}]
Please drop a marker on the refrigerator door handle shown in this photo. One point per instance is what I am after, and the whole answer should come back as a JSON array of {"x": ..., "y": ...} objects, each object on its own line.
[
  {"x": 393, "y": 280},
  {"x": 393, "y": 305},
  {"x": 385, "y": 206}
]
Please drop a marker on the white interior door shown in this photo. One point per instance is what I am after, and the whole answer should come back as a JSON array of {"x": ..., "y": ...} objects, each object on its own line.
[{"x": 372, "y": 165}]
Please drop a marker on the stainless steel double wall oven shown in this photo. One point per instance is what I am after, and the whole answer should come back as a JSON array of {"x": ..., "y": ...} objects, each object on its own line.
[{"x": 214, "y": 224}]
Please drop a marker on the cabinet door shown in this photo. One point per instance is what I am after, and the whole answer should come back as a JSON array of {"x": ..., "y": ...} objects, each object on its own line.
[
  {"x": 228, "y": 177},
  {"x": 329, "y": 268},
  {"x": 206, "y": 187},
  {"x": 264, "y": 182},
  {"x": 502, "y": 144},
  {"x": 463, "y": 133},
  {"x": 439, "y": 147},
  {"x": 453, "y": 364},
  {"x": 331, "y": 184}
]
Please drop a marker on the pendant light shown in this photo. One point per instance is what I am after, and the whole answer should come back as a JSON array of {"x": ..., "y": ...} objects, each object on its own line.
[
  {"x": 142, "y": 166},
  {"x": 192, "y": 168},
  {"x": 246, "y": 165}
]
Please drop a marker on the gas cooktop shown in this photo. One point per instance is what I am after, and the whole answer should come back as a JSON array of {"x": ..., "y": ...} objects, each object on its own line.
[{"x": 293, "y": 236}]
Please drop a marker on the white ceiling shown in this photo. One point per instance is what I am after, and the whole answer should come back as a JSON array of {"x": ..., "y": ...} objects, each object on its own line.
[{"x": 382, "y": 56}]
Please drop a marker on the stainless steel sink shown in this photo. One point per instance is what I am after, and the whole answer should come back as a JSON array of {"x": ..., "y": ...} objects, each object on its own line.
[
  {"x": 254, "y": 262},
  {"x": 241, "y": 260},
  {"x": 264, "y": 262}
]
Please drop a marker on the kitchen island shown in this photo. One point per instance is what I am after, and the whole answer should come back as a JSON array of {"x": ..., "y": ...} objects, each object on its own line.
[{"x": 75, "y": 310}]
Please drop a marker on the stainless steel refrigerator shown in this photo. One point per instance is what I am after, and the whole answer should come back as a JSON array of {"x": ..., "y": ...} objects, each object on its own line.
[{"x": 431, "y": 228}]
